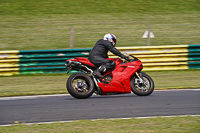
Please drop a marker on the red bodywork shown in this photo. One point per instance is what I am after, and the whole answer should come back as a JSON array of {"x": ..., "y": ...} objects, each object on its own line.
[{"x": 121, "y": 75}]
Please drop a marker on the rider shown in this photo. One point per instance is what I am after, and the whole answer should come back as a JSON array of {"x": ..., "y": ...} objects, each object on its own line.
[{"x": 99, "y": 53}]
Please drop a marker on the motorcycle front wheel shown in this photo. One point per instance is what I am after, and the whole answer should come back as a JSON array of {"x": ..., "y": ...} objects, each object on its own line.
[
  {"x": 80, "y": 85},
  {"x": 144, "y": 88}
]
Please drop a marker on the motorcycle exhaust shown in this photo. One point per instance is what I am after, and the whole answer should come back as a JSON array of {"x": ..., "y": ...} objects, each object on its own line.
[
  {"x": 73, "y": 64},
  {"x": 79, "y": 66}
]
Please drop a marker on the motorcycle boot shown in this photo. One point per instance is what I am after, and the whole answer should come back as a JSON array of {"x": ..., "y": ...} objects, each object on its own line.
[{"x": 97, "y": 73}]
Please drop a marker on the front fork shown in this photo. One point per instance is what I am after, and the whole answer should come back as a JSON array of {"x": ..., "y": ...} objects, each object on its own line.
[
  {"x": 141, "y": 79},
  {"x": 139, "y": 75}
]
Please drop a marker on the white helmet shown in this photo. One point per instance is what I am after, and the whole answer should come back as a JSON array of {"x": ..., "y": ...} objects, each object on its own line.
[{"x": 111, "y": 38}]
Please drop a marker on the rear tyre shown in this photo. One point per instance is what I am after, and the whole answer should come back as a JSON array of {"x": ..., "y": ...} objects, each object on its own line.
[
  {"x": 142, "y": 89},
  {"x": 80, "y": 85}
]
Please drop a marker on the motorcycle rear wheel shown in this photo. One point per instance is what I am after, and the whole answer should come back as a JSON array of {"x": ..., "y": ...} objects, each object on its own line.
[
  {"x": 141, "y": 89},
  {"x": 80, "y": 85}
]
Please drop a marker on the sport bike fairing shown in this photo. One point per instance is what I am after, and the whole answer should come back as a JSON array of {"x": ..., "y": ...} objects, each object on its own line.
[{"x": 121, "y": 76}]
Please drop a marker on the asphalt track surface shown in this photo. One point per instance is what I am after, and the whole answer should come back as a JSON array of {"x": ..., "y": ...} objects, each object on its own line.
[{"x": 35, "y": 109}]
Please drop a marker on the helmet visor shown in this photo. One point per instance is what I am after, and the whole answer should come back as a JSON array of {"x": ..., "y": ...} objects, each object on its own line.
[{"x": 114, "y": 40}]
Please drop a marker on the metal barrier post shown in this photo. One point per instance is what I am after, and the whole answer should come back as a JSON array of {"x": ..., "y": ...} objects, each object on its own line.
[{"x": 71, "y": 36}]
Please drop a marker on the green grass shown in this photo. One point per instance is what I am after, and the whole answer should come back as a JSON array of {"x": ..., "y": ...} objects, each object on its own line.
[
  {"x": 176, "y": 79},
  {"x": 55, "y": 84},
  {"x": 45, "y": 24},
  {"x": 44, "y": 7},
  {"x": 188, "y": 124}
]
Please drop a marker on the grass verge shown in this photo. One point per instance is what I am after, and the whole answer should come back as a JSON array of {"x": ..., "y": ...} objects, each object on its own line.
[
  {"x": 187, "y": 124},
  {"x": 55, "y": 84},
  {"x": 45, "y": 24}
]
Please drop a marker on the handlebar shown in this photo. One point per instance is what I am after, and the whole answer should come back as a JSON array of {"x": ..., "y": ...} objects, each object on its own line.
[{"x": 131, "y": 60}]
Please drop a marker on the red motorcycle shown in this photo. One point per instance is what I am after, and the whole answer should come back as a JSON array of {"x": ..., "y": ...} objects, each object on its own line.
[{"x": 125, "y": 78}]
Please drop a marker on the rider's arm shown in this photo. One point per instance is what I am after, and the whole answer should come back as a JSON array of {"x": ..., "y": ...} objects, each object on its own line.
[{"x": 115, "y": 51}]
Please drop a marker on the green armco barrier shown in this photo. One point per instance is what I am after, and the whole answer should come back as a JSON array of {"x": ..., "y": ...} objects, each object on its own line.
[
  {"x": 194, "y": 56},
  {"x": 194, "y": 65},
  {"x": 43, "y": 60},
  {"x": 53, "y": 55},
  {"x": 194, "y": 48},
  {"x": 45, "y": 71},
  {"x": 194, "y": 52},
  {"x": 55, "y": 51},
  {"x": 42, "y": 72},
  {"x": 43, "y": 64},
  {"x": 47, "y": 61},
  {"x": 43, "y": 68},
  {"x": 194, "y": 59},
  {"x": 169, "y": 57}
]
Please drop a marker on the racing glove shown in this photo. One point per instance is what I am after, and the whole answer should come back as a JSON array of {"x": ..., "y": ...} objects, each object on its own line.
[{"x": 126, "y": 58}]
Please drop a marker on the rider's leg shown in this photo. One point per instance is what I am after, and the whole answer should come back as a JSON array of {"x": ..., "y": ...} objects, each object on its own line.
[
  {"x": 98, "y": 71},
  {"x": 106, "y": 65},
  {"x": 110, "y": 65}
]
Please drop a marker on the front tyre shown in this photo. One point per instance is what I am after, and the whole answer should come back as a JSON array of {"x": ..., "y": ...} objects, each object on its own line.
[
  {"x": 144, "y": 88},
  {"x": 80, "y": 85}
]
